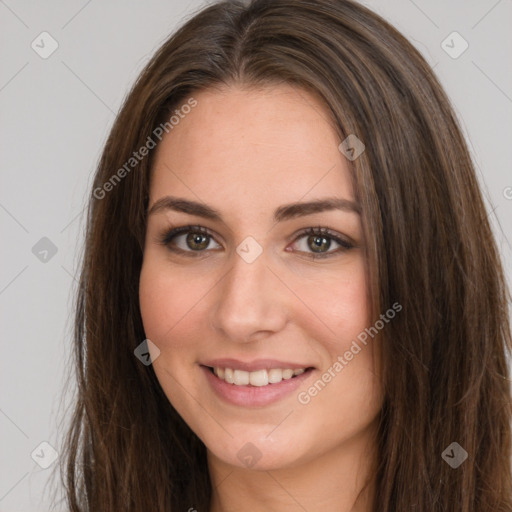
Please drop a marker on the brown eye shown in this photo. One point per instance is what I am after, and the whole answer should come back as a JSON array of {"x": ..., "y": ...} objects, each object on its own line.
[
  {"x": 197, "y": 241},
  {"x": 318, "y": 243},
  {"x": 188, "y": 239}
]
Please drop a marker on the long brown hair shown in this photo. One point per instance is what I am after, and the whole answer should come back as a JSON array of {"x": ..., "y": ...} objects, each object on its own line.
[{"x": 429, "y": 247}]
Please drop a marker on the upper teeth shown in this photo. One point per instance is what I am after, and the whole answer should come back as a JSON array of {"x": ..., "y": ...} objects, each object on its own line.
[{"x": 257, "y": 378}]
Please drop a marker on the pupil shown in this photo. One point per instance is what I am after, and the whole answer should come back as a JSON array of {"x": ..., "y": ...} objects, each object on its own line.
[
  {"x": 318, "y": 241},
  {"x": 194, "y": 240}
]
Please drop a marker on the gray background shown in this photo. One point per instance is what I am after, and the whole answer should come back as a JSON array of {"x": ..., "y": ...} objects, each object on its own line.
[{"x": 56, "y": 114}]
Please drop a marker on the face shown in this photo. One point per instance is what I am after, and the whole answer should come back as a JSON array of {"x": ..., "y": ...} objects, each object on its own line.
[{"x": 239, "y": 290}]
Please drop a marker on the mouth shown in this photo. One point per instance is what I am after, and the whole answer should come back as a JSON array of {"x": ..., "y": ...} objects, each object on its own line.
[
  {"x": 257, "y": 378},
  {"x": 260, "y": 387}
]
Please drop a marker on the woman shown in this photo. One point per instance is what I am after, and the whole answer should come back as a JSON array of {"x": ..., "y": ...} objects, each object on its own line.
[{"x": 291, "y": 298}]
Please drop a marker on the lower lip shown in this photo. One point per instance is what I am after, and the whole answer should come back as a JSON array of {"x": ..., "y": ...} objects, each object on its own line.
[{"x": 254, "y": 396}]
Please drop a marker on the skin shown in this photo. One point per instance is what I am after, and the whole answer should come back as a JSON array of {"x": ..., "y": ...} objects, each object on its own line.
[{"x": 246, "y": 152}]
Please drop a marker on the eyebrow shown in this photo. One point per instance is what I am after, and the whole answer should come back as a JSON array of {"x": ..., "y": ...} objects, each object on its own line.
[{"x": 285, "y": 212}]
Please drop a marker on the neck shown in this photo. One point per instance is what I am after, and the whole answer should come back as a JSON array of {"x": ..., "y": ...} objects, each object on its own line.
[{"x": 341, "y": 479}]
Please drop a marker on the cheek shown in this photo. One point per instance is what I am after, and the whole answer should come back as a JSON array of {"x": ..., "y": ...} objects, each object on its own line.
[
  {"x": 349, "y": 394},
  {"x": 338, "y": 304},
  {"x": 154, "y": 302},
  {"x": 168, "y": 304},
  {"x": 168, "y": 300}
]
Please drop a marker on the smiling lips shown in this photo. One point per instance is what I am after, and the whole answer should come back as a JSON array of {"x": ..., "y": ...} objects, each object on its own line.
[
  {"x": 258, "y": 383},
  {"x": 258, "y": 378}
]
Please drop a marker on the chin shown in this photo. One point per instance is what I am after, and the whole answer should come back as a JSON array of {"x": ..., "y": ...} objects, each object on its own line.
[{"x": 259, "y": 452}]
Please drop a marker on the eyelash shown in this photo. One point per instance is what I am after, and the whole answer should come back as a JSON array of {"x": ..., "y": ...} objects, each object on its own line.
[{"x": 166, "y": 238}]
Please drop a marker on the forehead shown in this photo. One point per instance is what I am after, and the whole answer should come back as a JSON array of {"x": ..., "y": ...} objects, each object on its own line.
[{"x": 243, "y": 147}]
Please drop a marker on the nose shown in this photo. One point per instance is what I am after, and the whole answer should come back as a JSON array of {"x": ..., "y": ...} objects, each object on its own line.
[{"x": 250, "y": 301}]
